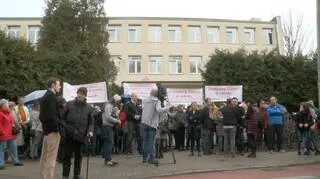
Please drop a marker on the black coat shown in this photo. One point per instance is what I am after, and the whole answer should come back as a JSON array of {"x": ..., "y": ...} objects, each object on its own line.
[
  {"x": 79, "y": 120},
  {"x": 193, "y": 118},
  {"x": 205, "y": 120},
  {"x": 49, "y": 113},
  {"x": 131, "y": 110},
  {"x": 229, "y": 115}
]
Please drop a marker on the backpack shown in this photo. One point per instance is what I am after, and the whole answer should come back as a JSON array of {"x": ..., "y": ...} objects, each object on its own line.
[{"x": 123, "y": 118}]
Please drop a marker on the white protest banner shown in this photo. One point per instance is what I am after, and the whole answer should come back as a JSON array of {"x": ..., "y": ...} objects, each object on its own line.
[
  {"x": 97, "y": 92},
  {"x": 185, "y": 96},
  {"x": 222, "y": 93},
  {"x": 141, "y": 89}
]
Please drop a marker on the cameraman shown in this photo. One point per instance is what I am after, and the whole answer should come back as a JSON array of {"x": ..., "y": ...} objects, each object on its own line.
[{"x": 149, "y": 122}]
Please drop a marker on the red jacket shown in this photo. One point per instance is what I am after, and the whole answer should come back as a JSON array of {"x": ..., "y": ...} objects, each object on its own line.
[{"x": 6, "y": 123}]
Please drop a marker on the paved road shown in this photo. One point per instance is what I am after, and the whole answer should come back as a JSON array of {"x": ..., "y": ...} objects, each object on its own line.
[
  {"x": 132, "y": 167},
  {"x": 298, "y": 172}
]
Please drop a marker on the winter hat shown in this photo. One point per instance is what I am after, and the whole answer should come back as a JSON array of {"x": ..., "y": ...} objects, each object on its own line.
[
  {"x": 116, "y": 98},
  {"x": 82, "y": 90},
  {"x": 3, "y": 102}
]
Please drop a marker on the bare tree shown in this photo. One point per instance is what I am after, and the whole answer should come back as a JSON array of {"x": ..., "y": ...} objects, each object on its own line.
[{"x": 295, "y": 35}]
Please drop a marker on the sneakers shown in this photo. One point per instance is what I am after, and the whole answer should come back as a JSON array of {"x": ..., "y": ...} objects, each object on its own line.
[
  {"x": 299, "y": 153},
  {"x": 110, "y": 163}
]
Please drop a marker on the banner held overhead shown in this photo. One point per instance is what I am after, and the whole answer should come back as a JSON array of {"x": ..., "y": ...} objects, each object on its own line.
[
  {"x": 185, "y": 96},
  {"x": 141, "y": 89},
  {"x": 222, "y": 93},
  {"x": 97, "y": 92}
]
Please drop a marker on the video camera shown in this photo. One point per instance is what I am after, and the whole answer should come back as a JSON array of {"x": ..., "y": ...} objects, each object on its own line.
[{"x": 162, "y": 93}]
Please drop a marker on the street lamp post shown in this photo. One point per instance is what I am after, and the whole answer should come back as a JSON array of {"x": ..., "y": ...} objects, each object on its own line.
[{"x": 318, "y": 47}]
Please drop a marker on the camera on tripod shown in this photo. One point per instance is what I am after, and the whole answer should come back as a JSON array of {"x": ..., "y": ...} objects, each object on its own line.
[{"x": 162, "y": 93}]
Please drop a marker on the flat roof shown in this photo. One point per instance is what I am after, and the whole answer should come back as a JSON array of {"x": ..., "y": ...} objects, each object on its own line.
[{"x": 159, "y": 18}]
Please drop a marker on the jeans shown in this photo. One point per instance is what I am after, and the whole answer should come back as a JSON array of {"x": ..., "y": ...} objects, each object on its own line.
[
  {"x": 195, "y": 133},
  {"x": 133, "y": 131},
  {"x": 252, "y": 141},
  {"x": 316, "y": 139},
  {"x": 207, "y": 140},
  {"x": 220, "y": 142},
  {"x": 230, "y": 139},
  {"x": 148, "y": 142},
  {"x": 72, "y": 146},
  {"x": 108, "y": 136},
  {"x": 303, "y": 140},
  {"x": 239, "y": 139},
  {"x": 275, "y": 136},
  {"x": 12, "y": 146}
]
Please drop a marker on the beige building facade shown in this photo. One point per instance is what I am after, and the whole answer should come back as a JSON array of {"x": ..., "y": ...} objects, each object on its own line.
[{"x": 169, "y": 50}]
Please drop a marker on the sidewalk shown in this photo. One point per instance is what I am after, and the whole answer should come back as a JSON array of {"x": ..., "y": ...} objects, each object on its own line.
[{"x": 131, "y": 166}]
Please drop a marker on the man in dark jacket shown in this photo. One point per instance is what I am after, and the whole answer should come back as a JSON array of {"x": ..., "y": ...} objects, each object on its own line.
[
  {"x": 49, "y": 119},
  {"x": 229, "y": 126},
  {"x": 79, "y": 126},
  {"x": 206, "y": 120},
  {"x": 133, "y": 123}
]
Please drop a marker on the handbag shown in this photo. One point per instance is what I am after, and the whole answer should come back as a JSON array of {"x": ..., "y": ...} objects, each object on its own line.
[
  {"x": 15, "y": 130},
  {"x": 33, "y": 131}
]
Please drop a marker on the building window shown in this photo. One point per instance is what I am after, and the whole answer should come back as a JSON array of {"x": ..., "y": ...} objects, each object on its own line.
[
  {"x": 213, "y": 34},
  {"x": 117, "y": 62},
  {"x": 134, "y": 34},
  {"x": 155, "y": 64},
  {"x": 194, "y": 34},
  {"x": 267, "y": 36},
  {"x": 14, "y": 31},
  {"x": 175, "y": 64},
  {"x": 154, "y": 33},
  {"x": 134, "y": 64},
  {"x": 195, "y": 64},
  {"x": 114, "y": 33},
  {"x": 174, "y": 33},
  {"x": 249, "y": 34},
  {"x": 232, "y": 35},
  {"x": 33, "y": 34}
]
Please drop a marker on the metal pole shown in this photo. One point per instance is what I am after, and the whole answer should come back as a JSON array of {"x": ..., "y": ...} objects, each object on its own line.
[{"x": 318, "y": 48}]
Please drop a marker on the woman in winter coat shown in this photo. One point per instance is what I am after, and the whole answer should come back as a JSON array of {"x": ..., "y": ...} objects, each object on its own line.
[
  {"x": 193, "y": 117},
  {"x": 304, "y": 123},
  {"x": 7, "y": 138},
  {"x": 37, "y": 131},
  {"x": 252, "y": 118}
]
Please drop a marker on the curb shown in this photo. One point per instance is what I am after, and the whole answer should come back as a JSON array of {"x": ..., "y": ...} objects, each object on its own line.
[{"x": 202, "y": 171}]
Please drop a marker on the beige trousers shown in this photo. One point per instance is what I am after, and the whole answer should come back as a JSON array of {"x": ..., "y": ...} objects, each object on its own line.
[{"x": 49, "y": 153}]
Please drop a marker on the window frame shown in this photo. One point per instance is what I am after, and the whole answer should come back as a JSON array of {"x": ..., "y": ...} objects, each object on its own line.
[
  {"x": 131, "y": 58},
  {"x": 157, "y": 63},
  {"x": 177, "y": 31},
  {"x": 176, "y": 61},
  {"x": 137, "y": 29},
  {"x": 117, "y": 29}
]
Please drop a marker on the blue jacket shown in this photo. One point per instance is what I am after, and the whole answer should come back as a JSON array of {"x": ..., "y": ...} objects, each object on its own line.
[{"x": 276, "y": 114}]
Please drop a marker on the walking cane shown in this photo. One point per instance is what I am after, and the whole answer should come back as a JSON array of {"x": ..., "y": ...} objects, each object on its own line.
[{"x": 88, "y": 156}]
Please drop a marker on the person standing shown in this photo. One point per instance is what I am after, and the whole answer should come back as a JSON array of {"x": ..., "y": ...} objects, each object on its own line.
[
  {"x": 79, "y": 127},
  {"x": 133, "y": 124},
  {"x": 110, "y": 119},
  {"x": 206, "y": 120},
  {"x": 252, "y": 117},
  {"x": 7, "y": 137},
  {"x": 50, "y": 124},
  {"x": 193, "y": 117},
  {"x": 151, "y": 112},
  {"x": 304, "y": 123},
  {"x": 276, "y": 121},
  {"x": 37, "y": 131},
  {"x": 229, "y": 126},
  {"x": 23, "y": 117}
]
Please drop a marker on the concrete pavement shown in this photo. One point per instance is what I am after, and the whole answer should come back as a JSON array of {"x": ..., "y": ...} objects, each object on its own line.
[{"x": 131, "y": 166}]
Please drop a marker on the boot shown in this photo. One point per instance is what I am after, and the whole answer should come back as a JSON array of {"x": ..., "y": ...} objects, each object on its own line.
[{"x": 65, "y": 170}]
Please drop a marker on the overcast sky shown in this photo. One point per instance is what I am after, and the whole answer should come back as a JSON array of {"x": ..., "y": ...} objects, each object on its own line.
[{"x": 221, "y": 9}]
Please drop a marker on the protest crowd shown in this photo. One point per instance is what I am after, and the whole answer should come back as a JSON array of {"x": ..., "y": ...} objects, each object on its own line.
[{"x": 56, "y": 130}]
